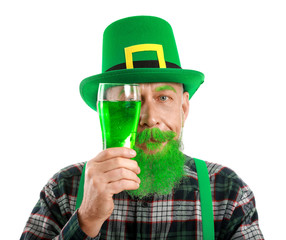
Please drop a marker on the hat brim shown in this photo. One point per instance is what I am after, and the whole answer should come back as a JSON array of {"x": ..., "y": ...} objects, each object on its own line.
[{"x": 189, "y": 78}]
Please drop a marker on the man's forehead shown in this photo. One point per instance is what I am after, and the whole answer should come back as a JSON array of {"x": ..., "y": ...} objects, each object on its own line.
[{"x": 152, "y": 87}]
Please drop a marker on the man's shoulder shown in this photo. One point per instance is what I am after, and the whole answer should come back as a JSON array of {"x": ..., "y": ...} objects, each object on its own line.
[
  {"x": 71, "y": 170},
  {"x": 223, "y": 181},
  {"x": 215, "y": 171},
  {"x": 65, "y": 174}
]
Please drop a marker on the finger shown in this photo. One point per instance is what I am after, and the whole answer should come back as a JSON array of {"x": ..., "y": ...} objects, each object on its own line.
[
  {"x": 115, "y": 152},
  {"x": 119, "y": 174},
  {"x": 119, "y": 186},
  {"x": 116, "y": 163}
]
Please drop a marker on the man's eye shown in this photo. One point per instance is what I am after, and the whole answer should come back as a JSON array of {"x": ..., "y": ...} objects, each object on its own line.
[{"x": 163, "y": 98}]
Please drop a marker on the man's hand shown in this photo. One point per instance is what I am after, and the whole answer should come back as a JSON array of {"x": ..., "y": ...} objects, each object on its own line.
[{"x": 110, "y": 172}]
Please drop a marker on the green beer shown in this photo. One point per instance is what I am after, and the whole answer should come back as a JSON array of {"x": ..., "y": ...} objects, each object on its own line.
[{"x": 119, "y": 122}]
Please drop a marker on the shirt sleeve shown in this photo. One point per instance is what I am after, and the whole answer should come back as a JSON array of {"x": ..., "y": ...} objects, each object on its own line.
[
  {"x": 241, "y": 221},
  {"x": 245, "y": 217},
  {"x": 52, "y": 219}
]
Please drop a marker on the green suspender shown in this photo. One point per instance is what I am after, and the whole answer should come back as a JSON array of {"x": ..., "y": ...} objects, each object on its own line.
[
  {"x": 80, "y": 189},
  {"x": 206, "y": 200}
]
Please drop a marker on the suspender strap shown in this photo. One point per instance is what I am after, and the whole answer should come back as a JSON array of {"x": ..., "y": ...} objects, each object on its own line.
[
  {"x": 80, "y": 189},
  {"x": 206, "y": 200}
]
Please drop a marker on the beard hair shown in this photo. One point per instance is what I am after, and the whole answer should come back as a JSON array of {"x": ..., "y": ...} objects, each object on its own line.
[{"x": 161, "y": 171}]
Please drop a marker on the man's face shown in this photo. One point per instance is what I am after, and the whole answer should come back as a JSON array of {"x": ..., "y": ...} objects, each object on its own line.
[
  {"x": 164, "y": 109},
  {"x": 163, "y": 106}
]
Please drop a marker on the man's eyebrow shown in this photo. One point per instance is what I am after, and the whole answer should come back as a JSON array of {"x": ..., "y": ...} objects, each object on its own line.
[
  {"x": 122, "y": 91},
  {"x": 165, "y": 87}
]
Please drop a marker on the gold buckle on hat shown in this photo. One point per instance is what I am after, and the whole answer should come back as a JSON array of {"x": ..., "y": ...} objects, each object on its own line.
[{"x": 141, "y": 48}]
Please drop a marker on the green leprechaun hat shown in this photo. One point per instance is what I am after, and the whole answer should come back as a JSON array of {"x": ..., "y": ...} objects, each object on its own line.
[{"x": 140, "y": 49}]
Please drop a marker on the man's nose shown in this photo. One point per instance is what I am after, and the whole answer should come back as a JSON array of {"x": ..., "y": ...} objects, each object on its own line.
[{"x": 149, "y": 117}]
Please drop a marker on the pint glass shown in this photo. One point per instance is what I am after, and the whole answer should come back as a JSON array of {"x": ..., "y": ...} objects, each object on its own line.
[{"x": 119, "y": 111}]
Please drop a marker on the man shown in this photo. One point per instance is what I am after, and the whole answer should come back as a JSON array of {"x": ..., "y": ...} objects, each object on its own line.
[{"x": 152, "y": 192}]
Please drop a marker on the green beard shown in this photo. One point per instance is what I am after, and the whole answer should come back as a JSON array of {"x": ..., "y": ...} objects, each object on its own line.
[{"x": 160, "y": 171}]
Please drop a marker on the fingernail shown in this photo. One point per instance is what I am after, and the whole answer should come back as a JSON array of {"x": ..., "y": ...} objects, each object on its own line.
[{"x": 132, "y": 153}]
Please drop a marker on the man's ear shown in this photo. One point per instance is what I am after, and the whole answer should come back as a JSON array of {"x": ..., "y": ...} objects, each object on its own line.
[{"x": 185, "y": 107}]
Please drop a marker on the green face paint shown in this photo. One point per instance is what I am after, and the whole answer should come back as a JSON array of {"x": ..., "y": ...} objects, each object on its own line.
[
  {"x": 123, "y": 91},
  {"x": 165, "y": 87},
  {"x": 161, "y": 171}
]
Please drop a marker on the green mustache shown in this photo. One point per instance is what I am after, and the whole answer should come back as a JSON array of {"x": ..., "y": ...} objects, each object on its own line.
[{"x": 156, "y": 135}]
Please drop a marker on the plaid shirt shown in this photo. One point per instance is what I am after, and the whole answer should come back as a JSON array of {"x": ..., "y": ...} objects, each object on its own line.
[{"x": 174, "y": 216}]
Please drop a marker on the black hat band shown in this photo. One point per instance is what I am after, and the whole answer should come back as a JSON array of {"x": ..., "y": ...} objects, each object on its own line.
[{"x": 143, "y": 64}]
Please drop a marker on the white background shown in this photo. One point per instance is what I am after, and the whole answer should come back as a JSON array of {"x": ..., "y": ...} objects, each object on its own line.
[{"x": 237, "y": 117}]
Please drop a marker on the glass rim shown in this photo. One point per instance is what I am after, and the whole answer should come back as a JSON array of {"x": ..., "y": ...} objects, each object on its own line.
[
  {"x": 134, "y": 84},
  {"x": 103, "y": 88}
]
